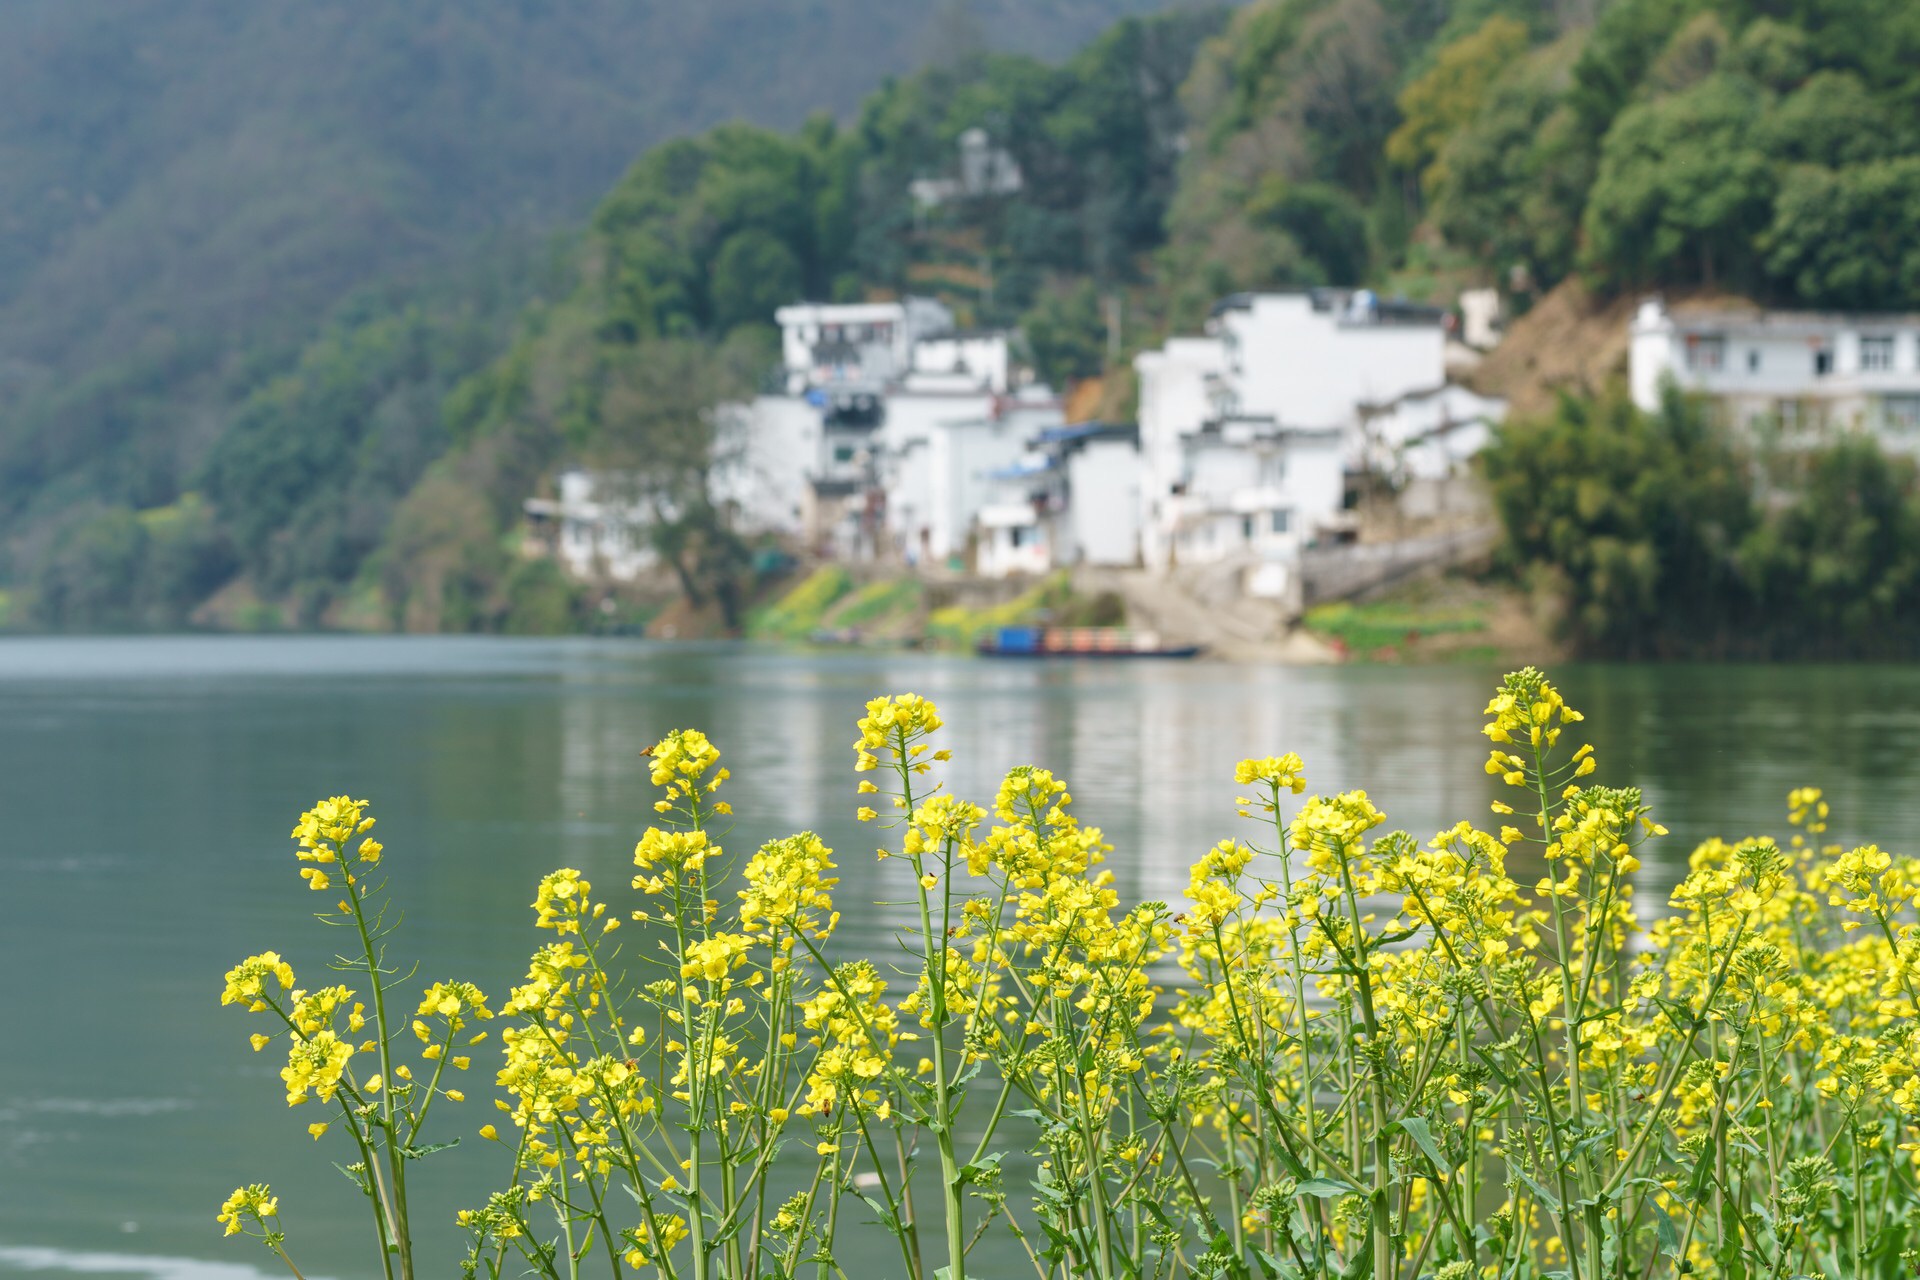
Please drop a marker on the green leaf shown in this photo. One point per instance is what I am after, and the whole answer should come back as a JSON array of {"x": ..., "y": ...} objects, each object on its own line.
[
  {"x": 1326, "y": 1188},
  {"x": 1546, "y": 1197},
  {"x": 973, "y": 1172},
  {"x": 1665, "y": 1233},
  {"x": 1416, "y": 1128}
]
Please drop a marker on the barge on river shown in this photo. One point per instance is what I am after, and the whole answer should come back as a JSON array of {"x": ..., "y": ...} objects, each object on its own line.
[{"x": 1078, "y": 642}]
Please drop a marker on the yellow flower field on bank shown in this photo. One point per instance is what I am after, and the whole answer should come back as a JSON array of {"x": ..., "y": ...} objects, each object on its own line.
[{"x": 1349, "y": 1052}]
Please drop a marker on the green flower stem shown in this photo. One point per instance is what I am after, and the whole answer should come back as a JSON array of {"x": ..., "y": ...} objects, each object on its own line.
[{"x": 402, "y": 1240}]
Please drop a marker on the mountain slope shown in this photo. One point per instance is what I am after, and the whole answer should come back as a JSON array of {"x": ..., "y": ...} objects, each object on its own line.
[{"x": 188, "y": 187}]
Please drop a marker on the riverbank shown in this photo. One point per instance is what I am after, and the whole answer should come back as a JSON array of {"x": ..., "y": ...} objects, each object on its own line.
[{"x": 1451, "y": 617}]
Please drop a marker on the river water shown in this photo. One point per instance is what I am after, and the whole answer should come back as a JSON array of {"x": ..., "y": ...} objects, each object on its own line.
[{"x": 147, "y": 786}]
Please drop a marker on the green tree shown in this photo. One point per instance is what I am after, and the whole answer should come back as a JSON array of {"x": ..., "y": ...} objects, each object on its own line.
[
  {"x": 1682, "y": 187},
  {"x": 117, "y": 569},
  {"x": 1836, "y": 571},
  {"x": 1847, "y": 237},
  {"x": 659, "y": 442},
  {"x": 1325, "y": 225},
  {"x": 753, "y": 274},
  {"x": 1631, "y": 519},
  {"x": 1449, "y": 94},
  {"x": 1834, "y": 119},
  {"x": 1513, "y": 180},
  {"x": 1065, "y": 334}
]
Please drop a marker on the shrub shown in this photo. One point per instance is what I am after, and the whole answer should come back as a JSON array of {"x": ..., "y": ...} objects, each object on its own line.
[
  {"x": 802, "y": 609},
  {"x": 1345, "y": 1054}
]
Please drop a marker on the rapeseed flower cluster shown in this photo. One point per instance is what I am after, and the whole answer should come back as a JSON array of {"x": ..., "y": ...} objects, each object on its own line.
[{"x": 1348, "y": 1051}]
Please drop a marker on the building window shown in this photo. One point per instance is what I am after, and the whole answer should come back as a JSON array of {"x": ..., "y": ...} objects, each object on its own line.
[
  {"x": 1822, "y": 361},
  {"x": 1706, "y": 352},
  {"x": 1876, "y": 354},
  {"x": 1788, "y": 412},
  {"x": 1753, "y": 359},
  {"x": 843, "y": 453},
  {"x": 1901, "y": 412},
  {"x": 1280, "y": 521},
  {"x": 1246, "y": 528}
]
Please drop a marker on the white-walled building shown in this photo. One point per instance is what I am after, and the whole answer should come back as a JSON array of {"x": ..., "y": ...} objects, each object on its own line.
[
  {"x": 900, "y": 470},
  {"x": 864, "y": 343},
  {"x": 1182, "y": 386},
  {"x": 594, "y": 528},
  {"x": 882, "y": 447},
  {"x": 984, "y": 170},
  {"x": 1306, "y": 359},
  {"x": 754, "y": 476},
  {"x": 1246, "y": 433},
  {"x": 1425, "y": 435},
  {"x": 597, "y": 523},
  {"x": 1072, "y": 498},
  {"x": 1258, "y": 492},
  {"x": 979, "y": 359},
  {"x": 963, "y": 459},
  {"x": 1801, "y": 374}
]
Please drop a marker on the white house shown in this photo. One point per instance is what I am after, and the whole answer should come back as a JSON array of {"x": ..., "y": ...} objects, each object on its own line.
[
  {"x": 1246, "y": 433},
  {"x": 866, "y": 343},
  {"x": 963, "y": 458},
  {"x": 1070, "y": 499},
  {"x": 1430, "y": 434},
  {"x": 754, "y": 477},
  {"x": 880, "y": 448},
  {"x": 1306, "y": 359},
  {"x": 978, "y": 358},
  {"x": 984, "y": 170},
  {"x": 593, "y": 528},
  {"x": 1181, "y": 386},
  {"x": 1801, "y": 374},
  {"x": 1256, "y": 492}
]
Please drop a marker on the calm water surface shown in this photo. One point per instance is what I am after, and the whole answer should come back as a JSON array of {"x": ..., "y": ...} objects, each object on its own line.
[{"x": 147, "y": 786}]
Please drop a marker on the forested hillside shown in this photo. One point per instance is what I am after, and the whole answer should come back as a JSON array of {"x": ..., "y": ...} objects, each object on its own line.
[
  {"x": 1765, "y": 148},
  {"x": 189, "y": 189}
]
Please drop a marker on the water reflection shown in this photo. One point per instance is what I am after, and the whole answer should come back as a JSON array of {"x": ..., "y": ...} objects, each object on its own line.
[{"x": 147, "y": 787}]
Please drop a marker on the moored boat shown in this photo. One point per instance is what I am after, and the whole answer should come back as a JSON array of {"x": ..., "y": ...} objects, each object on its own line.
[{"x": 1078, "y": 642}]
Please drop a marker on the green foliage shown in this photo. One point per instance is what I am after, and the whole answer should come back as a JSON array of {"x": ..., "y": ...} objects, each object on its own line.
[
  {"x": 1660, "y": 538},
  {"x": 691, "y": 230},
  {"x": 1635, "y": 516},
  {"x": 1324, "y": 225},
  {"x": 118, "y": 570},
  {"x": 802, "y": 609},
  {"x": 753, "y": 274},
  {"x": 1671, "y": 135},
  {"x": 1839, "y": 566},
  {"x": 960, "y": 626},
  {"x": 1065, "y": 334},
  {"x": 1681, "y": 180},
  {"x": 1451, "y": 93},
  {"x": 1832, "y": 119},
  {"x": 540, "y": 601},
  {"x": 879, "y": 601},
  {"x": 307, "y": 475},
  {"x": 1848, "y": 237},
  {"x": 1369, "y": 628},
  {"x": 1509, "y": 184}
]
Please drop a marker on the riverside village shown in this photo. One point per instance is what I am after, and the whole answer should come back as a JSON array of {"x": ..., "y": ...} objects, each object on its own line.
[{"x": 1307, "y": 447}]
